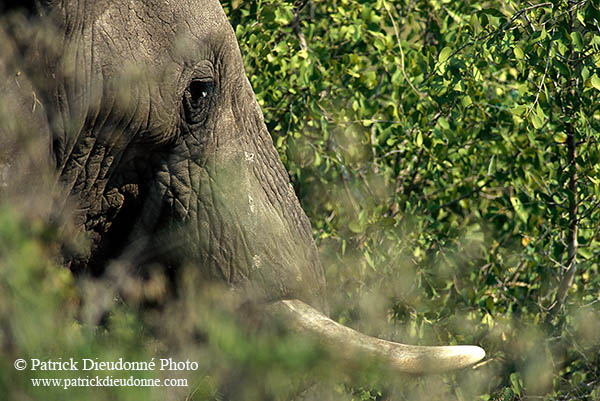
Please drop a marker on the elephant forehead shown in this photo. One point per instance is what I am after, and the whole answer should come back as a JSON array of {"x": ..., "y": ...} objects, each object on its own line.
[
  {"x": 154, "y": 30},
  {"x": 142, "y": 53}
]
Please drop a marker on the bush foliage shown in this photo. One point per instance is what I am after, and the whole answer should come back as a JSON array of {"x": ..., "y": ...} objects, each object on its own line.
[{"x": 447, "y": 155}]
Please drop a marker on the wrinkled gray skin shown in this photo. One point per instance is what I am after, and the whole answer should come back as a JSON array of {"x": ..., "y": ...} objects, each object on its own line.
[{"x": 156, "y": 137}]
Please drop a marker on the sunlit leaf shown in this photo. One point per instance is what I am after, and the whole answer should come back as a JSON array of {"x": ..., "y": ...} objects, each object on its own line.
[{"x": 445, "y": 54}]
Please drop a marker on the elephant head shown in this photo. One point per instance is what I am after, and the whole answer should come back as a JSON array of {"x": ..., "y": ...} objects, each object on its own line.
[{"x": 157, "y": 139}]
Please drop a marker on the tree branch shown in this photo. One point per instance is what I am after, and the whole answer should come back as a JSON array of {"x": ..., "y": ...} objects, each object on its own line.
[{"x": 569, "y": 270}]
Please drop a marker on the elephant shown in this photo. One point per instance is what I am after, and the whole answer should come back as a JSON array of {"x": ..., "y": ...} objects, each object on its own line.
[{"x": 160, "y": 154}]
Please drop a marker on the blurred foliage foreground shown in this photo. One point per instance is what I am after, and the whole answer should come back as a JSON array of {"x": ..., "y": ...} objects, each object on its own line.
[{"x": 447, "y": 155}]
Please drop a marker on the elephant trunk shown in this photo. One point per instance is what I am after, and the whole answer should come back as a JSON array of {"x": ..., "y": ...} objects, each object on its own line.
[{"x": 349, "y": 344}]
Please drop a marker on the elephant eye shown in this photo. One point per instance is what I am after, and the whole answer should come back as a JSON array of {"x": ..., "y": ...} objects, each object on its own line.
[
  {"x": 200, "y": 89},
  {"x": 197, "y": 100}
]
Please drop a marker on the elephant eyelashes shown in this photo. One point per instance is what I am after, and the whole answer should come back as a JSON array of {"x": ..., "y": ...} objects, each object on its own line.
[{"x": 197, "y": 100}]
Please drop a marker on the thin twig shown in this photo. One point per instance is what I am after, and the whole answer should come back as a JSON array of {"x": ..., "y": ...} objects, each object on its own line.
[
  {"x": 572, "y": 246},
  {"x": 419, "y": 93},
  {"x": 537, "y": 95},
  {"x": 295, "y": 24},
  {"x": 524, "y": 10}
]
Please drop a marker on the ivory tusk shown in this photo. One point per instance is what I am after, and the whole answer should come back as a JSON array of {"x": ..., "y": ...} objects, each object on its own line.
[{"x": 400, "y": 357}]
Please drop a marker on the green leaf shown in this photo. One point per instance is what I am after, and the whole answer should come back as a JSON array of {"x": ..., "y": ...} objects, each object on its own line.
[
  {"x": 536, "y": 120},
  {"x": 595, "y": 81},
  {"x": 443, "y": 123},
  {"x": 355, "y": 227},
  {"x": 318, "y": 159},
  {"x": 518, "y": 110},
  {"x": 585, "y": 73},
  {"x": 460, "y": 86},
  {"x": 519, "y": 52},
  {"x": 560, "y": 137},
  {"x": 540, "y": 112},
  {"x": 580, "y": 17},
  {"x": 518, "y": 208},
  {"x": 444, "y": 54},
  {"x": 516, "y": 383},
  {"x": 577, "y": 40},
  {"x": 585, "y": 253}
]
